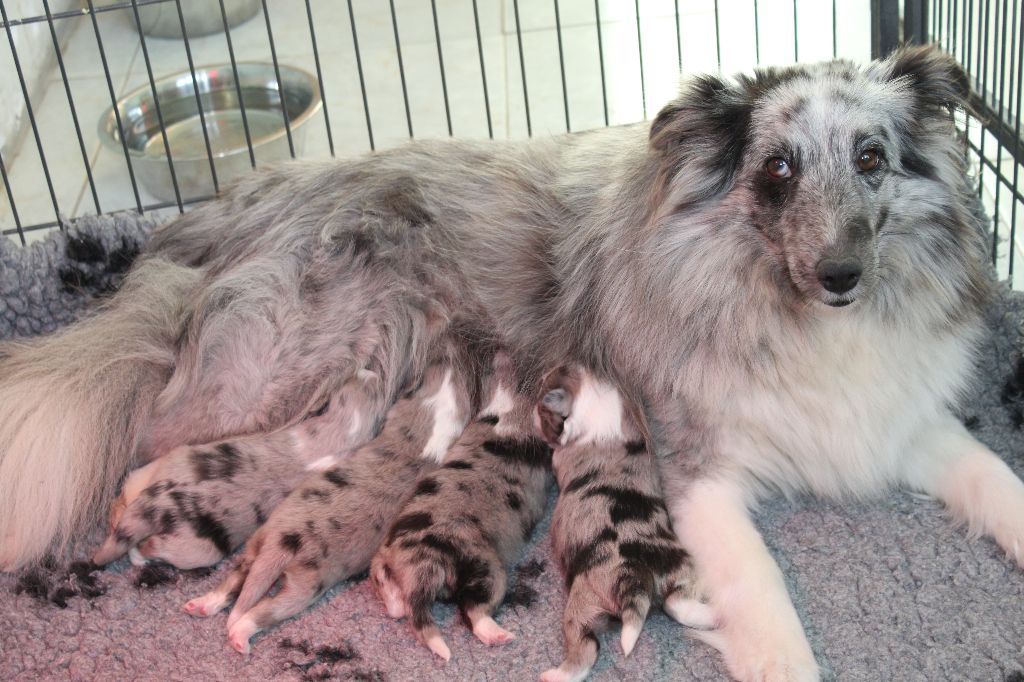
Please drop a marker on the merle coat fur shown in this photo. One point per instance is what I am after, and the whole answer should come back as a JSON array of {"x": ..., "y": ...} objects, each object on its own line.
[
  {"x": 610, "y": 531},
  {"x": 702, "y": 260},
  {"x": 467, "y": 522}
]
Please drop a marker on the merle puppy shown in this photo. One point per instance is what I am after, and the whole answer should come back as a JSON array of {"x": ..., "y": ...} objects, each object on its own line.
[
  {"x": 611, "y": 530},
  {"x": 193, "y": 506},
  {"x": 327, "y": 529},
  {"x": 468, "y": 521}
]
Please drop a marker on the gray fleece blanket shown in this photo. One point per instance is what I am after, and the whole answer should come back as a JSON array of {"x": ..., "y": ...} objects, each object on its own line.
[{"x": 888, "y": 590}]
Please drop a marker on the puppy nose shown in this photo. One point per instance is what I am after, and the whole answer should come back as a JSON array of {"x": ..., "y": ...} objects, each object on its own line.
[{"x": 839, "y": 276}]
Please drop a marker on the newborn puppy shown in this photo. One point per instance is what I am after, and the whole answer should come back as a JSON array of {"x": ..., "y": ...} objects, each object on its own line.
[
  {"x": 327, "y": 529},
  {"x": 610, "y": 531},
  {"x": 468, "y": 521},
  {"x": 196, "y": 504}
]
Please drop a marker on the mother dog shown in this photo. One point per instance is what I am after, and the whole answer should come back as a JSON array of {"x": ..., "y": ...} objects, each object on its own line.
[{"x": 785, "y": 272}]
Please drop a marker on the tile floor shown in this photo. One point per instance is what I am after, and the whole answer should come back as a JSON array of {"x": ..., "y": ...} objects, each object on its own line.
[{"x": 629, "y": 96}]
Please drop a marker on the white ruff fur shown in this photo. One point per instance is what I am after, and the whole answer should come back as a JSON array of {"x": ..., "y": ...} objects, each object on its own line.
[
  {"x": 837, "y": 415},
  {"x": 447, "y": 422},
  {"x": 596, "y": 414}
]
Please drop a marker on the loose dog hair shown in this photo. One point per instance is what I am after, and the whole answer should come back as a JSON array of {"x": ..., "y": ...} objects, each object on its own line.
[{"x": 785, "y": 271}]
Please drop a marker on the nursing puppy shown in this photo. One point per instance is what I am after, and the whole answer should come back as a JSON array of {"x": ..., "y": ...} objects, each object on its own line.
[
  {"x": 468, "y": 521},
  {"x": 611, "y": 531},
  {"x": 193, "y": 506},
  {"x": 327, "y": 529}
]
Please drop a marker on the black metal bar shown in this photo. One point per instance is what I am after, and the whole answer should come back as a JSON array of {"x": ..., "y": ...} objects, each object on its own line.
[
  {"x": 71, "y": 14},
  {"x": 359, "y": 69},
  {"x": 71, "y": 105},
  {"x": 238, "y": 85},
  {"x": 483, "y": 70},
  {"x": 679, "y": 39},
  {"x": 156, "y": 106},
  {"x": 885, "y": 27},
  {"x": 561, "y": 66},
  {"x": 600, "y": 59},
  {"x": 757, "y": 35},
  {"x": 10, "y": 199},
  {"x": 319, "y": 77},
  {"x": 718, "y": 40},
  {"x": 31, "y": 114},
  {"x": 947, "y": 36},
  {"x": 984, "y": 87},
  {"x": 280, "y": 86},
  {"x": 796, "y": 33},
  {"x": 440, "y": 61},
  {"x": 915, "y": 19},
  {"x": 952, "y": 28},
  {"x": 835, "y": 43},
  {"x": 1016, "y": 194},
  {"x": 199, "y": 99},
  {"x": 1016, "y": 136},
  {"x": 640, "y": 50},
  {"x": 999, "y": 147},
  {"x": 401, "y": 66},
  {"x": 969, "y": 64},
  {"x": 115, "y": 108},
  {"x": 522, "y": 67}
]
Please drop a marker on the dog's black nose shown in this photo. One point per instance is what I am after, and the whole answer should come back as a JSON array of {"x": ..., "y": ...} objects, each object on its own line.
[{"x": 839, "y": 276}]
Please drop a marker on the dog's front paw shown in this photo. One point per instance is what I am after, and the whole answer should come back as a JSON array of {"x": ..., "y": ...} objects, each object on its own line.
[{"x": 759, "y": 646}]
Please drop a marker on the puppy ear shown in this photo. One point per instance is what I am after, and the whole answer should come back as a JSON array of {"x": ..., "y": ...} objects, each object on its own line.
[
  {"x": 934, "y": 76},
  {"x": 704, "y": 132}
]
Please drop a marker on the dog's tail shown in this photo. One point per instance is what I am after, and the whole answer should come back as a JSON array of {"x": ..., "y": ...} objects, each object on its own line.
[
  {"x": 73, "y": 407},
  {"x": 264, "y": 563},
  {"x": 429, "y": 583}
]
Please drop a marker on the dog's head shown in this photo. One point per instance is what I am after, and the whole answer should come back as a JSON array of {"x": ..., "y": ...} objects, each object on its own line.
[{"x": 838, "y": 170}]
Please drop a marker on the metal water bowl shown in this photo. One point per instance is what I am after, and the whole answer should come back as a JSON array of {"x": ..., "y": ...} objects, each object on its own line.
[
  {"x": 202, "y": 17},
  {"x": 262, "y": 99}
]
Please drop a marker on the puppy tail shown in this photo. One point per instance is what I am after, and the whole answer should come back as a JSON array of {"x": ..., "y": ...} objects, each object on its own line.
[
  {"x": 429, "y": 583},
  {"x": 265, "y": 568},
  {"x": 634, "y": 615},
  {"x": 73, "y": 407}
]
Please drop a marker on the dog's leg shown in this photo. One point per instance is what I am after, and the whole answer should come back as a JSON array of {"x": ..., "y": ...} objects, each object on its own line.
[
  {"x": 759, "y": 633},
  {"x": 976, "y": 485}
]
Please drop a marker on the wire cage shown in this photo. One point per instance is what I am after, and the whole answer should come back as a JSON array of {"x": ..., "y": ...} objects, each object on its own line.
[{"x": 370, "y": 74}]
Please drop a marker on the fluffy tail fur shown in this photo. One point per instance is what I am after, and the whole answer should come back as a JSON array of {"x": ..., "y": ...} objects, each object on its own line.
[
  {"x": 73, "y": 406},
  {"x": 429, "y": 583}
]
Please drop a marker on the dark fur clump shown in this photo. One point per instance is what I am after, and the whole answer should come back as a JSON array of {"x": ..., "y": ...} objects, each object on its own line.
[
  {"x": 80, "y": 580},
  {"x": 154, "y": 575}
]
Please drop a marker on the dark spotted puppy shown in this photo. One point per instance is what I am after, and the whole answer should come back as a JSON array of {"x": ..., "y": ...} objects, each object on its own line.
[
  {"x": 468, "y": 521},
  {"x": 194, "y": 505},
  {"x": 327, "y": 529},
  {"x": 610, "y": 531}
]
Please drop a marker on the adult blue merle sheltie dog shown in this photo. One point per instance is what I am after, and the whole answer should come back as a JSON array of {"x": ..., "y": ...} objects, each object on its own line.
[{"x": 785, "y": 272}]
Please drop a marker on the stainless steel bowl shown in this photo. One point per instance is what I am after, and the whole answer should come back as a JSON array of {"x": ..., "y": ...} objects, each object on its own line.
[
  {"x": 261, "y": 95},
  {"x": 202, "y": 17}
]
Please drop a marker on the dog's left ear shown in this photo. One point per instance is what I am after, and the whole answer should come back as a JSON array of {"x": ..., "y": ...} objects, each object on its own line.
[
  {"x": 934, "y": 76},
  {"x": 704, "y": 130}
]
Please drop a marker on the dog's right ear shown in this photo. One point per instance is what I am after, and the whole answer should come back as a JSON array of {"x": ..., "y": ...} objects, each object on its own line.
[{"x": 704, "y": 129}]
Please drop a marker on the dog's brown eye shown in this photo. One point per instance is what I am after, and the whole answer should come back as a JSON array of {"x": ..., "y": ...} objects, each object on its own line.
[
  {"x": 778, "y": 168},
  {"x": 868, "y": 160}
]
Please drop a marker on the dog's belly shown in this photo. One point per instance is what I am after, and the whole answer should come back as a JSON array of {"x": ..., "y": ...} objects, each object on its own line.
[{"x": 841, "y": 419}]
